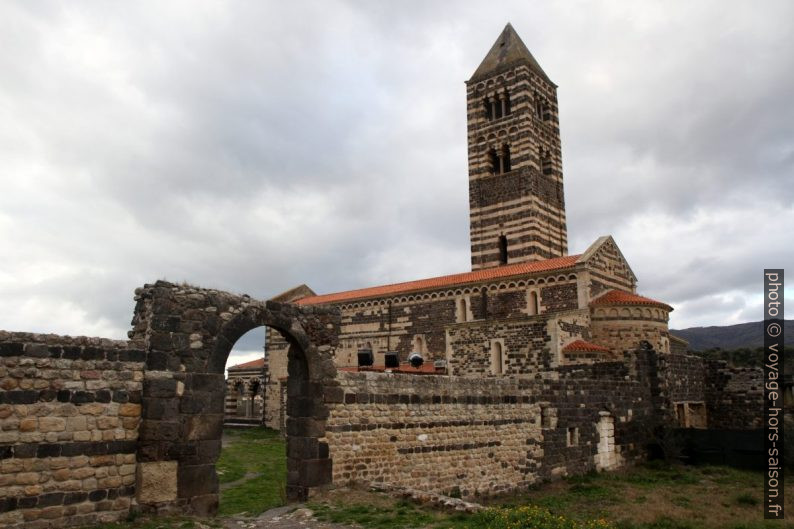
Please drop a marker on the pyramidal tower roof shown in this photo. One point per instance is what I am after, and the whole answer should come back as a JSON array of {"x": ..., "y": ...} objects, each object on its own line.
[{"x": 508, "y": 50}]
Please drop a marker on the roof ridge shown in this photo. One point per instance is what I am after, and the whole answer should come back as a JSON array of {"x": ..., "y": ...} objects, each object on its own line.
[
  {"x": 250, "y": 364},
  {"x": 450, "y": 279},
  {"x": 616, "y": 296},
  {"x": 584, "y": 345}
]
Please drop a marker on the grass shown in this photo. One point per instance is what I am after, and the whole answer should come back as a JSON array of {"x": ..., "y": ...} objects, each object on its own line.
[
  {"x": 660, "y": 496},
  {"x": 653, "y": 496},
  {"x": 255, "y": 460},
  {"x": 384, "y": 515}
]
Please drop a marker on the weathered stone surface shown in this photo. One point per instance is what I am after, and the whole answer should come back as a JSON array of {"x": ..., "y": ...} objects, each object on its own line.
[{"x": 157, "y": 482}]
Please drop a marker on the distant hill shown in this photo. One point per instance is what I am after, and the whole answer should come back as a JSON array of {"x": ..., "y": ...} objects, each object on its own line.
[{"x": 749, "y": 335}]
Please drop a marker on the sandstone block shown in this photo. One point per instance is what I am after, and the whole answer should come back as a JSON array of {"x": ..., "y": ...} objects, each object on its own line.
[
  {"x": 27, "y": 478},
  {"x": 32, "y": 490},
  {"x": 28, "y": 424},
  {"x": 52, "y": 424},
  {"x": 82, "y": 436},
  {"x": 61, "y": 474},
  {"x": 130, "y": 410},
  {"x": 82, "y": 473},
  {"x": 156, "y": 481},
  {"x": 9, "y": 384}
]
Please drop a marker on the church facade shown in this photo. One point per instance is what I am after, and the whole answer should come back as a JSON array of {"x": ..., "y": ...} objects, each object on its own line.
[{"x": 527, "y": 306}]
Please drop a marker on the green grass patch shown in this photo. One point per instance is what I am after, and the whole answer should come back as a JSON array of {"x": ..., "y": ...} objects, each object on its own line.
[
  {"x": 405, "y": 515},
  {"x": 398, "y": 516},
  {"x": 261, "y": 454},
  {"x": 746, "y": 499}
]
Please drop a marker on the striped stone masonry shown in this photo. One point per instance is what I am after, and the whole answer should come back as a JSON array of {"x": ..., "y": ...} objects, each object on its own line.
[{"x": 69, "y": 411}]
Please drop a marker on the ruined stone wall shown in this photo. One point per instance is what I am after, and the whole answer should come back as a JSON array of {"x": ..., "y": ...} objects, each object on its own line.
[
  {"x": 734, "y": 396},
  {"x": 69, "y": 415},
  {"x": 682, "y": 377},
  {"x": 483, "y": 436}
]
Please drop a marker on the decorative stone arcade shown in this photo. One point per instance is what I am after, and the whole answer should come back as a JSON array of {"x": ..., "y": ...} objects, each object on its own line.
[{"x": 187, "y": 334}]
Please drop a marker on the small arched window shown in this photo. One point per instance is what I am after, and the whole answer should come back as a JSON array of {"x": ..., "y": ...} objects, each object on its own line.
[
  {"x": 488, "y": 108},
  {"x": 506, "y": 167},
  {"x": 498, "y": 110},
  {"x": 462, "y": 310},
  {"x": 534, "y": 306},
  {"x": 546, "y": 165},
  {"x": 419, "y": 344},
  {"x": 538, "y": 106},
  {"x": 497, "y": 358},
  {"x": 502, "y": 249}
]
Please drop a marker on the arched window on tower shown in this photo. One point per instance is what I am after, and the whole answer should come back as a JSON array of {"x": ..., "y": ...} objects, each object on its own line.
[
  {"x": 502, "y": 249},
  {"x": 538, "y": 106},
  {"x": 506, "y": 167},
  {"x": 493, "y": 158},
  {"x": 488, "y": 108},
  {"x": 506, "y": 101},
  {"x": 546, "y": 165}
]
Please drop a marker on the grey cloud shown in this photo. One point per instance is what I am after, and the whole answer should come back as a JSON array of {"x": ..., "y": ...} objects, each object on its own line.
[{"x": 255, "y": 146}]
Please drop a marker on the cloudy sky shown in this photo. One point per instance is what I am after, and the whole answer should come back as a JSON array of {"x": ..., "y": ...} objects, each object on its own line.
[{"x": 253, "y": 146}]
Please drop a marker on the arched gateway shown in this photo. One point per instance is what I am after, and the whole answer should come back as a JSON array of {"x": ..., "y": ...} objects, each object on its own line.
[{"x": 187, "y": 334}]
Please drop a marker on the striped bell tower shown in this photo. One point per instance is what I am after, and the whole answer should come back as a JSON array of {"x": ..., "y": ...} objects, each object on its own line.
[{"x": 516, "y": 202}]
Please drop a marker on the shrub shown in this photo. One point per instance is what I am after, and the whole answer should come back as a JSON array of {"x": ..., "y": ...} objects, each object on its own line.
[
  {"x": 532, "y": 517},
  {"x": 746, "y": 499}
]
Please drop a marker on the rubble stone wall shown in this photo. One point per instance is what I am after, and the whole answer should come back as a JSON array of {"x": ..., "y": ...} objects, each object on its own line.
[
  {"x": 682, "y": 378},
  {"x": 69, "y": 416},
  {"x": 484, "y": 436},
  {"x": 524, "y": 346},
  {"x": 734, "y": 396}
]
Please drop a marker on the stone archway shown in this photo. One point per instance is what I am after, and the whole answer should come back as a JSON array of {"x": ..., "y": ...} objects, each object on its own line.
[{"x": 188, "y": 333}]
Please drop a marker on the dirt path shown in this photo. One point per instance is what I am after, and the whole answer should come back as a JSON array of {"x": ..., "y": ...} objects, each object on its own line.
[
  {"x": 289, "y": 517},
  {"x": 249, "y": 475}
]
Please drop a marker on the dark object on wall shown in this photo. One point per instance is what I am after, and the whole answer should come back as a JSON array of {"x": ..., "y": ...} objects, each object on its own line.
[
  {"x": 416, "y": 360},
  {"x": 365, "y": 357},
  {"x": 392, "y": 360}
]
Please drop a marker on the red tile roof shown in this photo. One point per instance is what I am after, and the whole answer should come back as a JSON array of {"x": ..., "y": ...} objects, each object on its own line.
[
  {"x": 580, "y": 346},
  {"x": 557, "y": 263},
  {"x": 425, "y": 369},
  {"x": 253, "y": 364},
  {"x": 619, "y": 297}
]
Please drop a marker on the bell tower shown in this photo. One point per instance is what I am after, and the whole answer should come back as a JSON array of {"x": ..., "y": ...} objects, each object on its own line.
[{"x": 516, "y": 202}]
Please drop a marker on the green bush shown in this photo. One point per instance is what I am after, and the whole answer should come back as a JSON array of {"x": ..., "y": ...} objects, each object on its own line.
[{"x": 532, "y": 517}]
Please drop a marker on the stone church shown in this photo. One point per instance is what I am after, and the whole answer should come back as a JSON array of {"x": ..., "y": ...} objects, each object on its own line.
[{"x": 527, "y": 305}]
